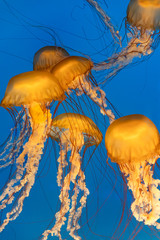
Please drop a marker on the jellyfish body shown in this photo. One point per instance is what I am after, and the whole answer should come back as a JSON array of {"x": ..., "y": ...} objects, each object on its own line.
[
  {"x": 47, "y": 57},
  {"x": 34, "y": 91},
  {"x": 74, "y": 73},
  {"x": 133, "y": 142},
  {"x": 72, "y": 131}
]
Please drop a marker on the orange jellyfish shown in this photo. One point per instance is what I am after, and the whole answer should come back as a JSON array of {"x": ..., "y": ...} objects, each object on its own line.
[
  {"x": 47, "y": 57},
  {"x": 142, "y": 27},
  {"x": 72, "y": 131},
  {"x": 74, "y": 73},
  {"x": 33, "y": 91},
  {"x": 133, "y": 142},
  {"x": 143, "y": 17}
]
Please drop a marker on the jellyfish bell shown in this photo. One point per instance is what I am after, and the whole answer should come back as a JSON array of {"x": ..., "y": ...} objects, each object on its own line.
[
  {"x": 47, "y": 57},
  {"x": 33, "y": 91},
  {"x": 68, "y": 69},
  {"x": 76, "y": 122},
  {"x": 133, "y": 142},
  {"x": 74, "y": 73},
  {"x": 126, "y": 139},
  {"x": 29, "y": 87},
  {"x": 72, "y": 131},
  {"x": 144, "y": 14}
]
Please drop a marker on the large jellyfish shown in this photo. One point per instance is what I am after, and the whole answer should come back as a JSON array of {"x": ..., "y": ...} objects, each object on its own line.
[
  {"x": 133, "y": 142},
  {"x": 33, "y": 91},
  {"x": 72, "y": 131},
  {"x": 74, "y": 73}
]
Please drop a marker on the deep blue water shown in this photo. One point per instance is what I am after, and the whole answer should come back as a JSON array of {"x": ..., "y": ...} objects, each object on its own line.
[{"x": 26, "y": 26}]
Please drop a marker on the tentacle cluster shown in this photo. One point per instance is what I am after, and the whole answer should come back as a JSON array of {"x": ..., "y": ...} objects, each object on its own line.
[
  {"x": 77, "y": 177},
  {"x": 24, "y": 176},
  {"x": 18, "y": 135},
  {"x": 83, "y": 85},
  {"x": 146, "y": 205}
]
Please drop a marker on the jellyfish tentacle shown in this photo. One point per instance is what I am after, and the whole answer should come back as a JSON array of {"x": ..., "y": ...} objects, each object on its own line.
[
  {"x": 12, "y": 149},
  {"x": 64, "y": 194},
  {"x": 74, "y": 218},
  {"x": 77, "y": 144},
  {"x": 16, "y": 148},
  {"x": 14, "y": 213},
  {"x": 95, "y": 93},
  {"x": 72, "y": 209},
  {"x": 100, "y": 100},
  {"x": 62, "y": 163},
  {"x": 73, "y": 144},
  {"x": 146, "y": 207},
  {"x": 106, "y": 20},
  {"x": 9, "y": 142},
  {"x": 33, "y": 149},
  {"x": 139, "y": 45},
  {"x": 76, "y": 169}
]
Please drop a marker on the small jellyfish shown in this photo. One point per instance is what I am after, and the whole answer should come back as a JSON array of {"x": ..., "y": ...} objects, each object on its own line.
[
  {"x": 74, "y": 73},
  {"x": 72, "y": 131},
  {"x": 142, "y": 28},
  {"x": 47, "y": 57},
  {"x": 33, "y": 91},
  {"x": 133, "y": 142}
]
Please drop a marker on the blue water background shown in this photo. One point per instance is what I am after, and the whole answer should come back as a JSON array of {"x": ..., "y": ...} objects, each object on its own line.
[{"x": 24, "y": 28}]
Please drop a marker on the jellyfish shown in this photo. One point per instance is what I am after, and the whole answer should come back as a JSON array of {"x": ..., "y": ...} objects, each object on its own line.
[
  {"x": 74, "y": 73},
  {"x": 33, "y": 91},
  {"x": 72, "y": 131},
  {"x": 143, "y": 19},
  {"x": 133, "y": 142},
  {"x": 47, "y": 57},
  {"x": 142, "y": 27}
]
